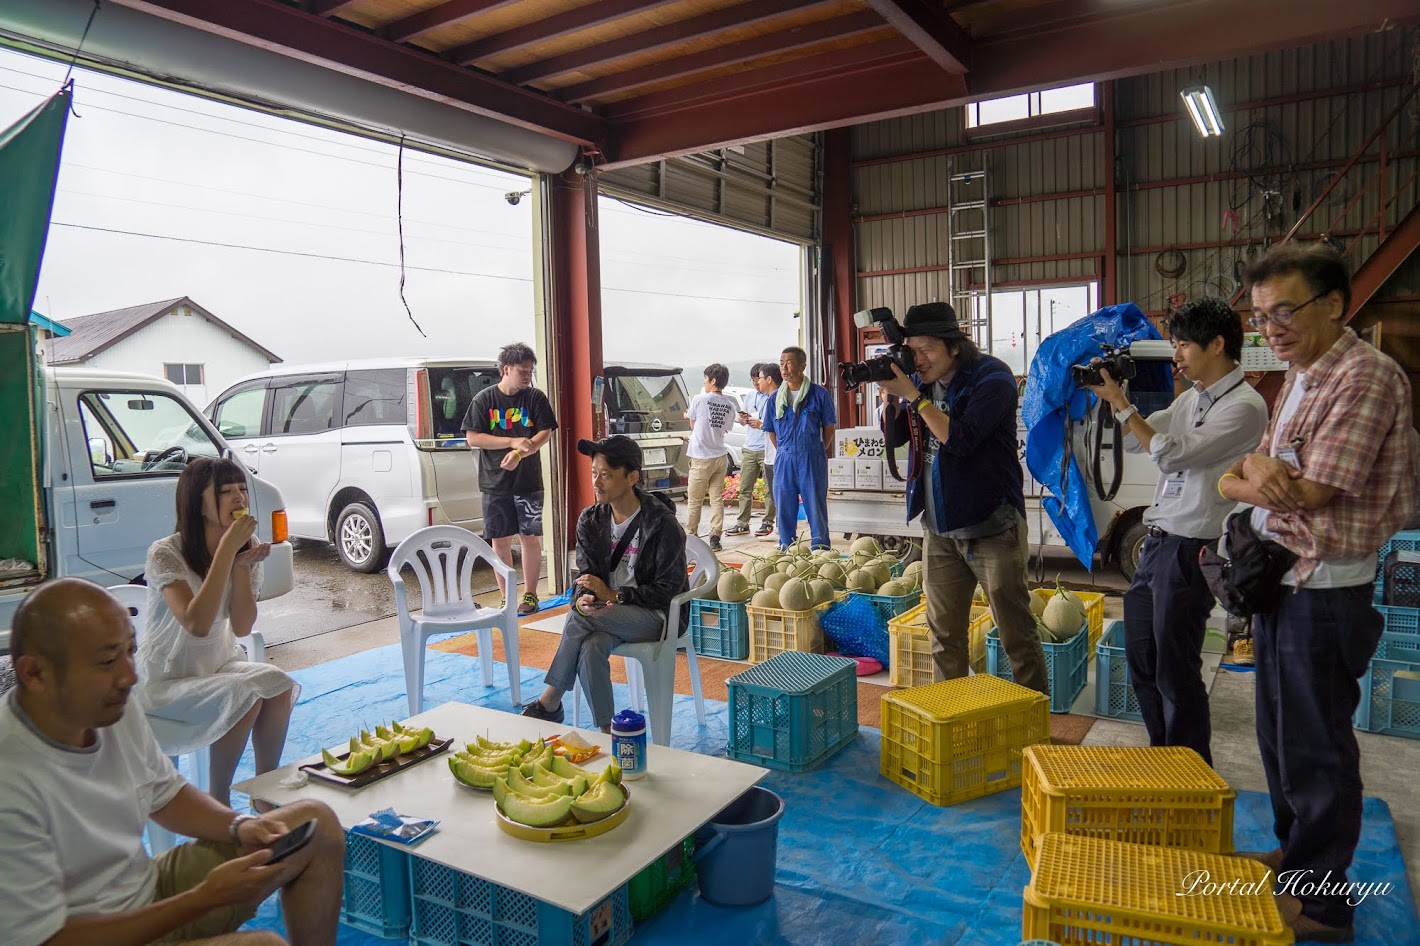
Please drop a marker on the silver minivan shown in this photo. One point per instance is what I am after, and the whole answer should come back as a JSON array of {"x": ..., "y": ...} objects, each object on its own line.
[{"x": 364, "y": 452}]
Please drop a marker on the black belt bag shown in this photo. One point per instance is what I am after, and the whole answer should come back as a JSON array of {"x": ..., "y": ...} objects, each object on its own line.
[{"x": 1250, "y": 581}]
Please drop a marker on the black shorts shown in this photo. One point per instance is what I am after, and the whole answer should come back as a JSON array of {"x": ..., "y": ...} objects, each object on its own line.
[{"x": 506, "y": 514}]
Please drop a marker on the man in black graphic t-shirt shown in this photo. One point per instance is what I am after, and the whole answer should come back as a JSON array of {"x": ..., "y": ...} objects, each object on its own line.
[{"x": 509, "y": 423}]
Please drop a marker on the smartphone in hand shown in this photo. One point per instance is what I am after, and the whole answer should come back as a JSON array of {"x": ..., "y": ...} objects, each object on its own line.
[{"x": 292, "y": 841}]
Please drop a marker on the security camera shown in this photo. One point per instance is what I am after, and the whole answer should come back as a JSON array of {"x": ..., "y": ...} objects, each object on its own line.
[{"x": 513, "y": 197}]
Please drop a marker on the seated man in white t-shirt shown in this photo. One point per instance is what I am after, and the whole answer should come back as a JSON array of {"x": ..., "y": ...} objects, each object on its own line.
[{"x": 81, "y": 774}]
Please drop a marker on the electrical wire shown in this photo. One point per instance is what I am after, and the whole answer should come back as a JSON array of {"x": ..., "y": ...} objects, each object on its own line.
[
  {"x": 399, "y": 217},
  {"x": 413, "y": 268}
]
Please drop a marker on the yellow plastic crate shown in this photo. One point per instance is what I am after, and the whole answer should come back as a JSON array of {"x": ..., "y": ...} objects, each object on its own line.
[
  {"x": 1165, "y": 795},
  {"x": 910, "y": 662},
  {"x": 960, "y": 739},
  {"x": 1088, "y": 891},
  {"x": 772, "y": 631},
  {"x": 1094, "y": 611}
]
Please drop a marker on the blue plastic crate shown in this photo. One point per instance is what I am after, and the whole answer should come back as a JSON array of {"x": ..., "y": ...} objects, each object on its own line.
[
  {"x": 1391, "y": 704},
  {"x": 1066, "y": 665},
  {"x": 793, "y": 711},
  {"x": 1114, "y": 691},
  {"x": 890, "y": 606},
  {"x": 451, "y": 908},
  {"x": 719, "y": 628},
  {"x": 376, "y": 888},
  {"x": 1400, "y": 542},
  {"x": 1402, "y": 621}
]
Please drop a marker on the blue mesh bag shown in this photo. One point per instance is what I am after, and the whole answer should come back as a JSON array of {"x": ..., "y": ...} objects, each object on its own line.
[{"x": 855, "y": 630}]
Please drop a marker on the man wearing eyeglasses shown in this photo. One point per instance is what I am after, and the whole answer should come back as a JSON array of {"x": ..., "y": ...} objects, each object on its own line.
[
  {"x": 1192, "y": 441},
  {"x": 1332, "y": 480}
]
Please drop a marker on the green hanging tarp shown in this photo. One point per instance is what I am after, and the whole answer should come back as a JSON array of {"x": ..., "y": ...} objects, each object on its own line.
[{"x": 29, "y": 167}]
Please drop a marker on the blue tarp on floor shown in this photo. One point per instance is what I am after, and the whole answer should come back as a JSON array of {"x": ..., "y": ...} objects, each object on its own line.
[{"x": 860, "y": 859}]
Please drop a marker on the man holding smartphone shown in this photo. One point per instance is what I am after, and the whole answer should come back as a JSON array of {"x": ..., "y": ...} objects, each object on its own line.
[
  {"x": 758, "y": 453},
  {"x": 80, "y": 776}
]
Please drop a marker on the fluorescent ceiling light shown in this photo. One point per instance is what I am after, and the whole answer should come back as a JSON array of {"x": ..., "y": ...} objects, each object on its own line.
[{"x": 1203, "y": 109}]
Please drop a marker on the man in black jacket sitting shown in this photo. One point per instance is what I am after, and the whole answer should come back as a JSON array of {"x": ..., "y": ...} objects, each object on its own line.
[{"x": 631, "y": 563}]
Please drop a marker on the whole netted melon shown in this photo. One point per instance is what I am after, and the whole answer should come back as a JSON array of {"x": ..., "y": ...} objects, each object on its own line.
[
  {"x": 822, "y": 590},
  {"x": 833, "y": 573},
  {"x": 897, "y": 588},
  {"x": 880, "y": 572},
  {"x": 768, "y": 598},
  {"x": 861, "y": 581},
  {"x": 733, "y": 586},
  {"x": 866, "y": 544},
  {"x": 914, "y": 573},
  {"x": 796, "y": 595},
  {"x": 774, "y": 581},
  {"x": 761, "y": 570}
]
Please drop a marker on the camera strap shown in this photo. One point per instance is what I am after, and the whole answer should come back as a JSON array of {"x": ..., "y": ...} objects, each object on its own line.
[{"x": 1103, "y": 419}]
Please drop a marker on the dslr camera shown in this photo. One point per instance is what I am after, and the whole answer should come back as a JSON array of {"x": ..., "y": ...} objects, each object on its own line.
[
  {"x": 879, "y": 368},
  {"x": 1114, "y": 360}
]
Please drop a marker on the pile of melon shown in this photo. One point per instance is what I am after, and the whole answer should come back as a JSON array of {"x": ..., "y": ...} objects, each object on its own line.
[
  {"x": 1059, "y": 618},
  {"x": 798, "y": 579}
]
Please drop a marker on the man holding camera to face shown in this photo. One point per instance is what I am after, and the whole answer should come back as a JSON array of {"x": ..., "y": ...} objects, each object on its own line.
[
  {"x": 959, "y": 416},
  {"x": 1192, "y": 441}
]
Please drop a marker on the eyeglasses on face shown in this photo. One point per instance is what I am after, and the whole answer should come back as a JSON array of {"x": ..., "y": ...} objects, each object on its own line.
[{"x": 1283, "y": 317}]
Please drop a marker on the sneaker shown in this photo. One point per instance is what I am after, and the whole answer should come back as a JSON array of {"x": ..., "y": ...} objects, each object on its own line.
[
  {"x": 1242, "y": 651},
  {"x": 529, "y": 605},
  {"x": 764, "y": 529},
  {"x": 737, "y": 530},
  {"x": 536, "y": 710},
  {"x": 715, "y": 545},
  {"x": 1307, "y": 930}
]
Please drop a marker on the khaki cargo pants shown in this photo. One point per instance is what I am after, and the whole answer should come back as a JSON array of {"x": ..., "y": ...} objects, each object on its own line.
[
  {"x": 707, "y": 475},
  {"x": 183, "y": 868},
  {"x": 951, "y": 570}
]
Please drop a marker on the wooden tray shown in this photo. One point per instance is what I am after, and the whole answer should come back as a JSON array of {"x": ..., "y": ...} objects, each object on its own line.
[
  {"x": 564, "y": 832},
  {"x": 379, "y": 770}
]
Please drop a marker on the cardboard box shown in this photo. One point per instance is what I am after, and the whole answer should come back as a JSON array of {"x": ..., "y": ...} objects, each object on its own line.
[
  {"x": 867, "y": 473},
  {"x": 840, "y": 473},
  {"x": 853, "y": 443}
]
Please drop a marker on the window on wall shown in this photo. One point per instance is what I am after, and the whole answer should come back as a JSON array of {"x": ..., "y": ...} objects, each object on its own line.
[
  {"x": 184, "y": 374},
  {"x": 1021, "y": 318},
  {"x": 1015, "y": 108}
]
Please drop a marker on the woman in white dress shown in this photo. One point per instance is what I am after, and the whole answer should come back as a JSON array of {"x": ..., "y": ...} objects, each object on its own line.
[{"x": 202, "y": 586}]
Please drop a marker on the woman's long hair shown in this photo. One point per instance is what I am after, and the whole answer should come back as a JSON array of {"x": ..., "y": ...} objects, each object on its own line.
[{"x": 200, "y": 473}]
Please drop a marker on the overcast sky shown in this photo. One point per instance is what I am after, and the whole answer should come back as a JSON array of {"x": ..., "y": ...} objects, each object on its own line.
[{"x": 191, "y": 176}]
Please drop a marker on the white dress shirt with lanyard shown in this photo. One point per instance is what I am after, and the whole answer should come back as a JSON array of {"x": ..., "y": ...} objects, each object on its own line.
[{"x": 1199, "y": 436}]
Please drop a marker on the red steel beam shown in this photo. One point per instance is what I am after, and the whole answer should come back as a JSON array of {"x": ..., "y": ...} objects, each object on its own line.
[
  {"x": 720, "y": 56},
  {"x": 576, "y": 333},
  {"x": 1382, "y": 264},
  {"x": 445, "y": 14},
  {"x": 888, "y": 87},
  {"x": 1012, "y": 261},
  {"x": 995, "y": 202},
  {"x": 552, "y": 27},
  {"x": 1314, "y": 96},
  {"x": 783, "y": 76},
  {"x": 931, "y": 29},
  {"x": 330, "y": 7},
  {"x": 838, "y": 260},
  {"x": 279, "y": 28},
  {"x": 1279, "y": 169},
  {"x": 647, "y": 41},
  {"x": 1125, "y": 41},
  {"x": 977, "y": 146}
]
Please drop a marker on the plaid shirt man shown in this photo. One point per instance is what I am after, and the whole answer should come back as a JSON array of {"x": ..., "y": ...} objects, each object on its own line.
[{"x": 1351, "y": 431}]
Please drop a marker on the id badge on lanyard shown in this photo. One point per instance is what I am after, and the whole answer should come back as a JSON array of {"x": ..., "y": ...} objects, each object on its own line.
[{"x": 1173, "y": 486}]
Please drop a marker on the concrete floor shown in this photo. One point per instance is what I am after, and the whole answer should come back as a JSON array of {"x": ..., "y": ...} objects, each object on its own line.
[{"x": 1389, "y": 765}]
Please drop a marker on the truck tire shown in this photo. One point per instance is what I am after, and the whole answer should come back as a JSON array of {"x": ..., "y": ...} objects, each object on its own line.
[
  {"x": 1130, "y": 545},
  {"x": 359, "y": 539}
]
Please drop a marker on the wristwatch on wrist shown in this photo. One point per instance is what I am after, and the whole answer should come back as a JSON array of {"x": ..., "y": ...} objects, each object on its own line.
[
  {"x": 922, "y": 401},
  {"x": 620, "y": 597},
  {"x": 235, "y": 828},
  {"x": 1123, "y": 415}
]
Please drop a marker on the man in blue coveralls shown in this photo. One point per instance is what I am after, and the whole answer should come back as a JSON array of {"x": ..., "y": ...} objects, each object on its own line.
[{"x": 800, "y": 422}]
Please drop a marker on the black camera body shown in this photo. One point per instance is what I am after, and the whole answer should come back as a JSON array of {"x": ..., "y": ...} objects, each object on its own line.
[
  {"x": 1117, "y": 362},
  {"x": 879, "y": 368}
]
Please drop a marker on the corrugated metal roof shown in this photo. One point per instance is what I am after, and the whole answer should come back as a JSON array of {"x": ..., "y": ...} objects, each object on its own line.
[{"x": 92, "y": 334}]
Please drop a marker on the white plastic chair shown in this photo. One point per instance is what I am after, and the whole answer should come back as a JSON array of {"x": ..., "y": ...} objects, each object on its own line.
[
  {"x": 650, "y": 667},
  {"x": 443, "y": 558},
  {"x": 135, "y": 599}
]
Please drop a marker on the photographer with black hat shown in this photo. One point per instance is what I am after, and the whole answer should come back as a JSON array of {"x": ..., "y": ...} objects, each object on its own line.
[
  {"x": 958, "y": 414},
  {"x": 630, "y": 564}
]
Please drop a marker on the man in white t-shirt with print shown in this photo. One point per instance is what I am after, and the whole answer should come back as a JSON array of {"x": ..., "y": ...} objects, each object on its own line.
[
  {"x": 80, "y": 776},
  {"x": 712, "y": 415}
]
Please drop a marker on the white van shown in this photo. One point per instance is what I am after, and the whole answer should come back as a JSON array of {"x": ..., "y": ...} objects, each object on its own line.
[{"x": 364, "y": 452}]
